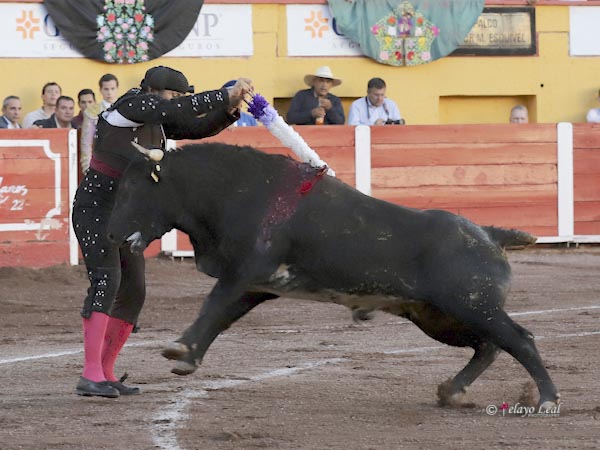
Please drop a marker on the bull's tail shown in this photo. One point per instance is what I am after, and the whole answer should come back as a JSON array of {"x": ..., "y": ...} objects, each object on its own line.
[{"x": 504, "y": 237}]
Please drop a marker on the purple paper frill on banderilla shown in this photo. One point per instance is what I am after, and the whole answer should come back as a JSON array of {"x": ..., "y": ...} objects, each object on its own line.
[{"x": 262, "y": 111}]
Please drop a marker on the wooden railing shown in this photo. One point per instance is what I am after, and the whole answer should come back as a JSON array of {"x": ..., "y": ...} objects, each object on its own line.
[{"x": 534, "y": 177}]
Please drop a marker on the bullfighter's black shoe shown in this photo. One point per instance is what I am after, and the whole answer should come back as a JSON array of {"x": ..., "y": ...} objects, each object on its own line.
[
  {"x": 123, "y": 389},
  {"x": 90, "y": 388}
]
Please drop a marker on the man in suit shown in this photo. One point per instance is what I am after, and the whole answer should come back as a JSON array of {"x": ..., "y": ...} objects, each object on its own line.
[
  {"x": 11, "y": 112},
  {"x": 62, "y": 117}
]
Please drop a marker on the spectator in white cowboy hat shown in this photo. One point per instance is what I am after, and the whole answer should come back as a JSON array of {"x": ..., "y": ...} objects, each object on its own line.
[{"x": 317, "y": 105}]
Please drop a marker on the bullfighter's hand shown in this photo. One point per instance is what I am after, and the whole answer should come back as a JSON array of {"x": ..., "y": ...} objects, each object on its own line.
[{"x": 239, "y": 90}]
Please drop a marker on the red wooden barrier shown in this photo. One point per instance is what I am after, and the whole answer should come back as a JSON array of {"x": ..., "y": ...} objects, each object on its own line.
[
  {"x": 586, "y": 162},
  {"x": 334, "y": 144},
  {"x": 493, "y": 174},
  {"x": 502, "y": 175},
  {"x": 34, "y": 197}
]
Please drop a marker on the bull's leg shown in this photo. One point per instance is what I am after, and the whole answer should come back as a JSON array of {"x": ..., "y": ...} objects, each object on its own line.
[
  {"x": 518, "y": 341},
  {"x": 223, "y": 306},
  {"x": 450, "y": 391},
  {"x": 447, "y": 329},
  {"x": 504, "y": 333}
]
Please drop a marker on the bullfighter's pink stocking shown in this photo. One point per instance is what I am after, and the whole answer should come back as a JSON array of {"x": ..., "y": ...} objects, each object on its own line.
[
  {"x": 94, "y": 329},
  {"x": 117, "y": 333}
]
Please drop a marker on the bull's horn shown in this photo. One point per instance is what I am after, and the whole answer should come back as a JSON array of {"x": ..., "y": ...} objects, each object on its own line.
[{"x": 155, "y": 154}]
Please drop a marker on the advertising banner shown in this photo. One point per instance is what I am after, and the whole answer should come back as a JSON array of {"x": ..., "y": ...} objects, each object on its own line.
[
  {"x": 584, "y": 35},
  {"x": 221, "y": 30},
  {"x": 27, "y": 31},
  {"x": 311, "y": 31}
]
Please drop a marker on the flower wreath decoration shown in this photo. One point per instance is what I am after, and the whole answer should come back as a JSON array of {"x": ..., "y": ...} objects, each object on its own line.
[{"x": 125, "y": 29}]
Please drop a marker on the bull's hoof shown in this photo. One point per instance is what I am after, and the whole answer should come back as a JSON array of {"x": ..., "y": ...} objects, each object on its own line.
[
  {"x": 361, "y": 314},
  {"x": 448, "y": 396},
  {"x": 451, "y": 401},
  {"x": 549, "y": 405},
  {"x": 183, "y": 368},
  {"x": 176, "y": 351}
]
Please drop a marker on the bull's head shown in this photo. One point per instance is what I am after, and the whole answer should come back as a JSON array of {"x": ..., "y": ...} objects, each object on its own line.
[{"x": 144, "y": 209}]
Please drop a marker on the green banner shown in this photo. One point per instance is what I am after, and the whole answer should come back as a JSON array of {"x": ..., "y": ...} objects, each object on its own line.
[{"x": 406, "y": 33}]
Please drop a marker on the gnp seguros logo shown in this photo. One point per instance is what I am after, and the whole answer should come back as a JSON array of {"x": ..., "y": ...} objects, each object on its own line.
[
  {"x": 28, "y": 24},
  {"x": 317, "y": 24}
]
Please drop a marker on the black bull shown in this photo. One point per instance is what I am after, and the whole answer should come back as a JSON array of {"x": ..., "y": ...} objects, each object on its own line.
[{"x": 268, "y": 226}]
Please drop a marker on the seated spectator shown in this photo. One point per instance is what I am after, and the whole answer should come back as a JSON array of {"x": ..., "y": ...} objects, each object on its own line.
[
  {"x": 62, "y": 117},
  {"x": 593, "y": 115},
  {"x": 375, "y": 108},
  {"x": 109, "y": 89},
  {"x": 109, "y": 86},
  {"x": 519, "y": 114},
  {"x": 50, "y": 92},
  {"x": 11, "y": 112},
  {"x": 317, "y": 105},
  {"x": 85, "y": 98}
]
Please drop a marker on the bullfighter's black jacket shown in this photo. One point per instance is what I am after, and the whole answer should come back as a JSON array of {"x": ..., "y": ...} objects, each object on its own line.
[
  {"x": 117, "y": 283},
  {"x": 149, "y": 120}
]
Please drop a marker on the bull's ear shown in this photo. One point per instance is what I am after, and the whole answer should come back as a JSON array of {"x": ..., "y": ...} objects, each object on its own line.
[{"x": 154, "y": 154}]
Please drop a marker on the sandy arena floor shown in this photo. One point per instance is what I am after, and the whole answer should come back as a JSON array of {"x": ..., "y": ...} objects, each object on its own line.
[{"x": 295, "y": 375}]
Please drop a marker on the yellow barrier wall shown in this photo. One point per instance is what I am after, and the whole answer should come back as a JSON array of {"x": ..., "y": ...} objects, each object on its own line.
[{"x": 556, "y": 86}]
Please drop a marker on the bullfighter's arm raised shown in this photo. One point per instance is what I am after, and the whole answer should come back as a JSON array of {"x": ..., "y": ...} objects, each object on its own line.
[
  {"x": 200, "y": 127},
  {"x": 150, "y": 108}
]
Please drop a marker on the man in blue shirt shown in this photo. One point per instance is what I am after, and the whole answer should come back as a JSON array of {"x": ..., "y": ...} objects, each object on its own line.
[{"x": 375, "y": 108}]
